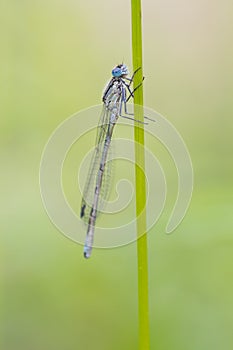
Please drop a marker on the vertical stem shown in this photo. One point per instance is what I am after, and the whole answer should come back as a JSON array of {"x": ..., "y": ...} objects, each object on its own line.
[{"x": 143, "y": 302}]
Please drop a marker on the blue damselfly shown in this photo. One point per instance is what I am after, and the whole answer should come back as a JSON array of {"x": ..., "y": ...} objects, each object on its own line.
[{"x": 115, "y": 97}]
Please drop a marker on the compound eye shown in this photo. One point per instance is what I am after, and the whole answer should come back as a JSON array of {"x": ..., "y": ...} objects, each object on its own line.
[{"x": 117, "y": 72}]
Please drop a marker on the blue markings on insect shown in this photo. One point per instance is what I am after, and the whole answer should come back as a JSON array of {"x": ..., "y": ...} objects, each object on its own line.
[
  {"x": 96, "y": 186},
  {"x": 120, "y": 70}
]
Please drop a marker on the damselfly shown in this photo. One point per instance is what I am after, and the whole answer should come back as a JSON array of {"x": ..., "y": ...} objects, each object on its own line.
[{"x": 115, "y": 96}]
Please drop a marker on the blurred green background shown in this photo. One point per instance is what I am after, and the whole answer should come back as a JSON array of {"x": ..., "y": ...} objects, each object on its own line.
[{"x": 56, "y": 57}]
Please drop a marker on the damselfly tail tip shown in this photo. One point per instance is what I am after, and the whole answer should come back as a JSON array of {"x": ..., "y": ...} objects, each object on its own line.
[
  {"x": 86, "y": 256},
  {"x": 87, "y": 252}
]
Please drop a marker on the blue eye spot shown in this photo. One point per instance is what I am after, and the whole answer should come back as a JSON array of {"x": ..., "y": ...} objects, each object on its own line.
[{"x": 116, "y": 72}]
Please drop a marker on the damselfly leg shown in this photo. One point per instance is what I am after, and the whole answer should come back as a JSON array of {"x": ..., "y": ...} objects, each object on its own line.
[{"x": 126, "y": 99}]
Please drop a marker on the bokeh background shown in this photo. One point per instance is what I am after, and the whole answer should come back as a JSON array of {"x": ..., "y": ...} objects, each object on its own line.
[{"x": 56, "y": 57}]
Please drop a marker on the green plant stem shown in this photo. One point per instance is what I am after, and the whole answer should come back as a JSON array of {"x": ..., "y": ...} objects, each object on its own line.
[{"x": 143, "y": 302}]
